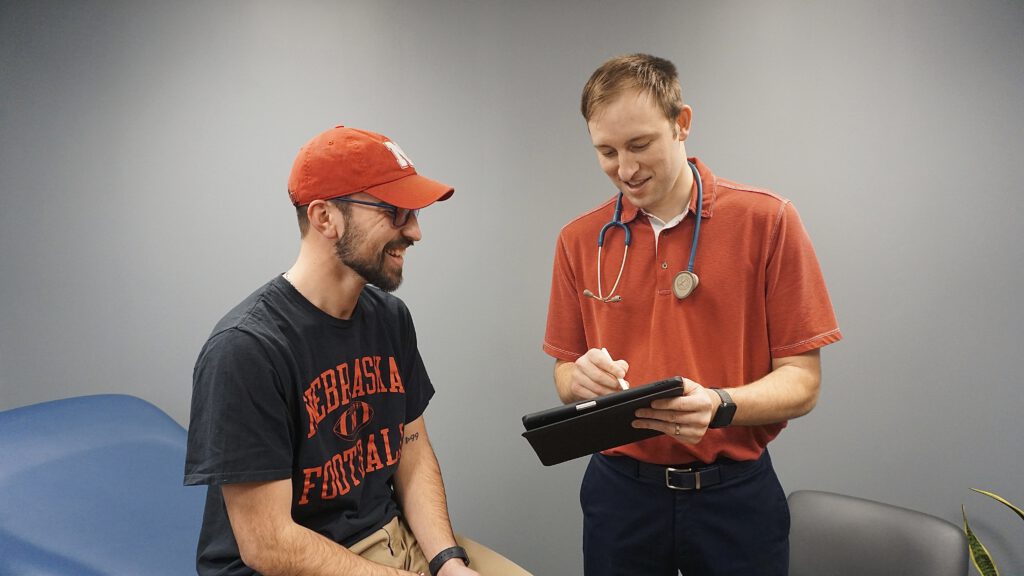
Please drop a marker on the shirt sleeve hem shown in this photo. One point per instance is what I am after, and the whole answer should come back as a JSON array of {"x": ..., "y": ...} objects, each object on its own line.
[
  {"x": 560, "y": 354},
  {"x": 819, "y": 341},
  {"x": 237, "y": 477}
]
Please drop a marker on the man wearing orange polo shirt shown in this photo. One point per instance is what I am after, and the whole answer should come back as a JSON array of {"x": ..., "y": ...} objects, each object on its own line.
[{"x": 720, "y": 285}]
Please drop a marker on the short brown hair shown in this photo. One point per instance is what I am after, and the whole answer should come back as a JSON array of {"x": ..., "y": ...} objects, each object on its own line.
[
  {"x": 654, "y": 76},
  {"x": 303, "y": 218}
]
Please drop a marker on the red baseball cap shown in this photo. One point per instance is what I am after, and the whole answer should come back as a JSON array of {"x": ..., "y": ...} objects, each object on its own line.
[{"x": 343, "y": 161}]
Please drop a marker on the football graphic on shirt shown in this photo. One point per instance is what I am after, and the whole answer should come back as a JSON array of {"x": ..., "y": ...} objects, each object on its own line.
[{"x": 353, "y": 419}]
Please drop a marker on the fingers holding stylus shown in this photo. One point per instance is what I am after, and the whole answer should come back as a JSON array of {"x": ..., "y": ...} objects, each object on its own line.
[{"x": 596, "y": 374}]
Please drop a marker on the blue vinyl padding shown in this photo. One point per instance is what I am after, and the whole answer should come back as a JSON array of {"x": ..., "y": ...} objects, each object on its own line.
[{"x": 92, "y": 485}]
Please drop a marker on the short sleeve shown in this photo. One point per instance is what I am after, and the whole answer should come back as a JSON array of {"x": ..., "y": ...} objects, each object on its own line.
[
  {"x": 420, "y": 389},
  {"x": 800, "y": 313},
  {"x": 565, "y": 336},
  {"x": 239, "y": 429}
]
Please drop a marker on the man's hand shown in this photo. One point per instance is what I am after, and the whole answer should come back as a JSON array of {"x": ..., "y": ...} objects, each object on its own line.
[
  {"x": 456, "y": 567},
  {"x": 685, "y": 418},
  {"x": 591, "y": 375}
]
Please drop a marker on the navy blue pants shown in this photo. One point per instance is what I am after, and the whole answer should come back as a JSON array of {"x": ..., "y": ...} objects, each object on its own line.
[{"x": 633, "y": 524}]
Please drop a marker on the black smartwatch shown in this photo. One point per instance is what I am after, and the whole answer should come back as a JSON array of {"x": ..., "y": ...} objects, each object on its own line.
[
  {"x": 446, "y": 555},
  {"x": 723, "y": 416}
]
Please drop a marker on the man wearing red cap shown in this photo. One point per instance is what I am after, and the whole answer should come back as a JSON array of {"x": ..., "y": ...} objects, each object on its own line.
[{"x": 308, "y": 398}]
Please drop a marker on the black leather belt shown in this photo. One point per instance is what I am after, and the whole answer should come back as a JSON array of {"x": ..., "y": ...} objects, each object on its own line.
[{"x": 693, "y": 476}]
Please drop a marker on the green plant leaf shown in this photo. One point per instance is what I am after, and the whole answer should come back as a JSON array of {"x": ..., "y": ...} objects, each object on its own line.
[
  {"x": 1003, "y": 501},
  {"x": 979, "y": 554}
]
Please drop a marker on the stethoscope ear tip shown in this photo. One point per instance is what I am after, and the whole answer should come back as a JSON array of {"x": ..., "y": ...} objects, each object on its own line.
[{"x": 589, "y": 294}]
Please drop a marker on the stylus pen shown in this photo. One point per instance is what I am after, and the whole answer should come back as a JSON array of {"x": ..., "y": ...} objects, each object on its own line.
[{"x": 622, "y": 383}]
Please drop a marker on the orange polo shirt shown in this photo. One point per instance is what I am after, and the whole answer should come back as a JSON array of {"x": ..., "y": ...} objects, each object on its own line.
[{"x": 761, "y": 296}]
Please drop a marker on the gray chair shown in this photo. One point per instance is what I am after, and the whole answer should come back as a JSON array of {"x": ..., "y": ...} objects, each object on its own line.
[{"x": 837, "y": 535}]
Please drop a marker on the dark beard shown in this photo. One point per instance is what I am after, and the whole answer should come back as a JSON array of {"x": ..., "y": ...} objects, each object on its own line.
[{"x": 372, "y": 270}]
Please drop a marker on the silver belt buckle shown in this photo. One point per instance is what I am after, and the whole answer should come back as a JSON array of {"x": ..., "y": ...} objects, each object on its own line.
[{"x": 668, "y": 476}]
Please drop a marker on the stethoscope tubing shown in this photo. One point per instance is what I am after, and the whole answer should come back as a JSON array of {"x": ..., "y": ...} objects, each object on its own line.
[
  {"x": 700, "y": 211},
  {"x": 616, "y": 222}
]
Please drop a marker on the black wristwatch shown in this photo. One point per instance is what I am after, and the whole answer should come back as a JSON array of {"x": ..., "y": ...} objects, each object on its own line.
[
  {"x": 446, "y": 555},
  {"x": 723, "y": 416}
]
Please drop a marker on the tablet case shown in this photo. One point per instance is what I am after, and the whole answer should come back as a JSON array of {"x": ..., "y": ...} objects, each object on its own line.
[{"x": 573, "y": 430}]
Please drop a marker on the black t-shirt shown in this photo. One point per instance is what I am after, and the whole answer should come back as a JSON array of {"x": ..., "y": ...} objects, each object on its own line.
[{"x": 283, "y": 390}]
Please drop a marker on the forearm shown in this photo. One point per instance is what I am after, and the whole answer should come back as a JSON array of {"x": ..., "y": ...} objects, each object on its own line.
[
  {"x": 563, "y": 381},
  {"x": 420, "y": 491},
  {"x": 271, "y": 543},
  {"x": 789, "y": 391},
  {"x": 299, "y": 551}
]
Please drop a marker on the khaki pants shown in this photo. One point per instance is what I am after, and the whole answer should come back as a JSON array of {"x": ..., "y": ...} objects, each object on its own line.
[{"x": 395, "y": 546}]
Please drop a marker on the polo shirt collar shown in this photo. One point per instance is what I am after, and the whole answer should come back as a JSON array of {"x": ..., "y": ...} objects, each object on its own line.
[{"x": 630, "y": 212}]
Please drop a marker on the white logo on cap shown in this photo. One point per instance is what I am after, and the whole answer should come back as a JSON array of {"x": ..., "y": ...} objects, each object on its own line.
[{"x": 403, "y": 160}]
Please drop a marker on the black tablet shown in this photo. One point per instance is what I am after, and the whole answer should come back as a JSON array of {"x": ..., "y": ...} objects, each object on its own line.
[{"x": 565, "y": 432}]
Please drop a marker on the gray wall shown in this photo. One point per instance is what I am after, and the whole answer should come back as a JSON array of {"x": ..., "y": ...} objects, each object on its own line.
[{"x": 145, "y": 147}]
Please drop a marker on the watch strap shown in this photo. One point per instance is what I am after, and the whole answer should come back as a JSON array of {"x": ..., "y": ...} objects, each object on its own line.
[
  {"x": 726, "y": 410},
  {"x": 446, "y": 555}
]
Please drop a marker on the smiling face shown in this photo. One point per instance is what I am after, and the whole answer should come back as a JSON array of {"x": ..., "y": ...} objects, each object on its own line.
[
  {"x": 371, "y": 245},
  {"x": 642, "y": 152}
]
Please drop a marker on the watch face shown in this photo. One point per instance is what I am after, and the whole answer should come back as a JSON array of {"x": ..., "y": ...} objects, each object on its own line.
[{"x": 723, "y": 416}]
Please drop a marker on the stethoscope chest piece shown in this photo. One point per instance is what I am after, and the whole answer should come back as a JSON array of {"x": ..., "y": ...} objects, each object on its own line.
[{"x": 684, "y": 283}]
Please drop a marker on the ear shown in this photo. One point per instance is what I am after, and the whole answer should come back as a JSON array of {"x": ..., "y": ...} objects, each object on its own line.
[
  {"x": 325, "y": 219},
  {"x": 683, "y": 122}
]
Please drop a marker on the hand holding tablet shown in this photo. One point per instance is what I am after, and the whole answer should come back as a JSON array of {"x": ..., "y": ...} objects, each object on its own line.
[{"x": 580, "y": 428}]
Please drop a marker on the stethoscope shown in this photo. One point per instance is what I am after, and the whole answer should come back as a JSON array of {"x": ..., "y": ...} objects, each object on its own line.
[{"x": 684, "y": 283}]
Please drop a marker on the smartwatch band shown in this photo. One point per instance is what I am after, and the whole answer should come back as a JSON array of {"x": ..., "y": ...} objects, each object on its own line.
[
  {"x": 446, "y": 555},
  {"x": 726, "y": 410}
]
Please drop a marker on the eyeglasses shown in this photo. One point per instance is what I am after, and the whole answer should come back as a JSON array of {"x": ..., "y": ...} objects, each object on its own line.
[{"x": 399, "y": 216}]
